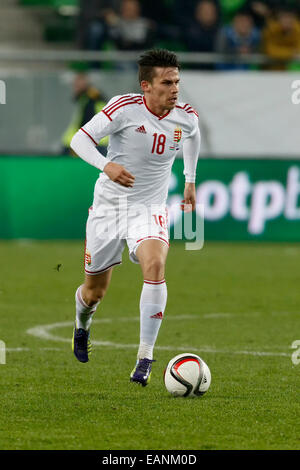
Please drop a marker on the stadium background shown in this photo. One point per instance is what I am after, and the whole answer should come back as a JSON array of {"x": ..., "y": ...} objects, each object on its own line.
[
  {"x": 246, "y": 295},
  {"x": 246, "y": 113}
]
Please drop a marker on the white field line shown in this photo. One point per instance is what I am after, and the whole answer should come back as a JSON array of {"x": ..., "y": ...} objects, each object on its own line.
[
  {"x": 45, "y": 332},
  {"x": 31, "y": 349}
]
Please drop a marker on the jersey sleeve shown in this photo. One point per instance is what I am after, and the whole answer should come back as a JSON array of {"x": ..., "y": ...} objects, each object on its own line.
[
  {"x": 85, "y": 149},
  {"x": 191, "y": 149},
  {"x": 108, "y": 121}
]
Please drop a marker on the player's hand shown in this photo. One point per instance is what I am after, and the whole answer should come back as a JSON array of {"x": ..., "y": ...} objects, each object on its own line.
[
  {"x": 189, "y": 201},
  {"x": 118, "y": 174}
]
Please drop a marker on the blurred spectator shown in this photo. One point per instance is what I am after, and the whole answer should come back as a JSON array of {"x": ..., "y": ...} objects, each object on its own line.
[
  {"x": 131, "y": 31},
  {"x": 182, "y": 11},
  {"x": 200, "y": 34},
  {"x": 240, "y": 38},
  {"x": 161, "y": 12},
  {"x": 281, "y": 37},
  {"x": 99, "y": 29},
  {"x": 89, "y": 101},
  {"x": 95, "y": 17},
  {"x": 262, "y": 10}
]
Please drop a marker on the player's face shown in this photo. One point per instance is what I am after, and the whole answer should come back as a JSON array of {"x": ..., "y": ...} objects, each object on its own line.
[{"x": 163, "y": 91}]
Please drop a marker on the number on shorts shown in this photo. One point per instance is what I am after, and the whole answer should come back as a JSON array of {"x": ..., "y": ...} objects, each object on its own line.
[{"x": 160, "y": 220}]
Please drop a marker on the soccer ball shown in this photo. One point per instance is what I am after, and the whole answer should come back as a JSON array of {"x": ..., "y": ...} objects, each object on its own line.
[{"x": 187, "y": 375}]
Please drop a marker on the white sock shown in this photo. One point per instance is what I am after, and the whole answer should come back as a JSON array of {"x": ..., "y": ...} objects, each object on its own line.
[
  {"x": 152, "y": 306},
  {"x": 84, "y": 313}
]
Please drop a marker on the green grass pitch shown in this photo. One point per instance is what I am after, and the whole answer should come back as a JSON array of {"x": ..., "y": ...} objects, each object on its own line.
[{"x": 237, "y": 305}]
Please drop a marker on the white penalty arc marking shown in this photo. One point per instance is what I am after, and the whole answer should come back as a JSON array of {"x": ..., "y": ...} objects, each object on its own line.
[
  {"x": 30, "y": 349},
  {"x": 45, "y": 332}
]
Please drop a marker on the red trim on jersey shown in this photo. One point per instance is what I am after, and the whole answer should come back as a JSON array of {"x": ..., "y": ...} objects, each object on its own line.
[
  {"x": 88, "y": 135},
  {"x": 157, "y": 238},
  {"x": 124, "y": 99},
  {"x": 127, "y": 99},
  {"x": 102, "y": 270},
  {"x": 116, "y": 105},
  {"x": 124, "y": 104},
  {"x": 188, "y": 109},
  {"x": 159, "y": 117},
  {"x": 107, "y": 107},
  {"x": 106, "y": 114},
  {"x": 182, "y": 107},
  {"x": 194, "y": 112}
]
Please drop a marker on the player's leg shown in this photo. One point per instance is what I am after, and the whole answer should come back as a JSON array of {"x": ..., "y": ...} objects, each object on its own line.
[
  {"x": 88, "y": 296},
  {"x": 152, "y": 255},
  {"x": 103, "y": 251}
]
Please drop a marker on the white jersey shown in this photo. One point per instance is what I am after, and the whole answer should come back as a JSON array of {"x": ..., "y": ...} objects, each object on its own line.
[{"x": 145, "y": 144}]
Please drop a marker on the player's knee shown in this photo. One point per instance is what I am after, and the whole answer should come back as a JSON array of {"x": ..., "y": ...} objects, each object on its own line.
[
  {"x": 92, "y": 296},
  {"x": 155, "y": 268}
]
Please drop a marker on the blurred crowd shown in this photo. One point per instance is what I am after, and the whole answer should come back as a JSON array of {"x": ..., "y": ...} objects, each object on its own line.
[{"x": 235, "y": 27}]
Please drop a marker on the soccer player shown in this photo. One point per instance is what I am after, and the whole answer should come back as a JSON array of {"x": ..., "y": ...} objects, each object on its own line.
[{"x": 146, "y": 132}]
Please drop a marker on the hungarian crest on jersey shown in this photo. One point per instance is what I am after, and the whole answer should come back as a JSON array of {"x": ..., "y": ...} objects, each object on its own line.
[{"x": 176, "y": 138}]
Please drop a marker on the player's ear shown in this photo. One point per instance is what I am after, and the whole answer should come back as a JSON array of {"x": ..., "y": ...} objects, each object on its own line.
[{"x": 145, "y": 85}]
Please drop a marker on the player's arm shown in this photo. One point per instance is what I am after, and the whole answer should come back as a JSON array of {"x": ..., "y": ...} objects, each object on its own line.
[
  {"x": 84, "y": 144},
  {"x": 191, "y": 149}
]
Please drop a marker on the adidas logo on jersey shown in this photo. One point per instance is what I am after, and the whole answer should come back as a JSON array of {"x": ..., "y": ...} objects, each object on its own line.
[
  {"x": 141, "y": 129},
  {"x": 158, "y": 315}
]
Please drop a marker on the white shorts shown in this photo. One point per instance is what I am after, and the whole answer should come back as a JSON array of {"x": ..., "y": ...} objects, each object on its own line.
[{"x": 110, "y": 226}]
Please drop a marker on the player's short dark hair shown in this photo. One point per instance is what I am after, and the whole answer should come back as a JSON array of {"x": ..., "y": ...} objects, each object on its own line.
[{"x": 155, "y": 58}]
